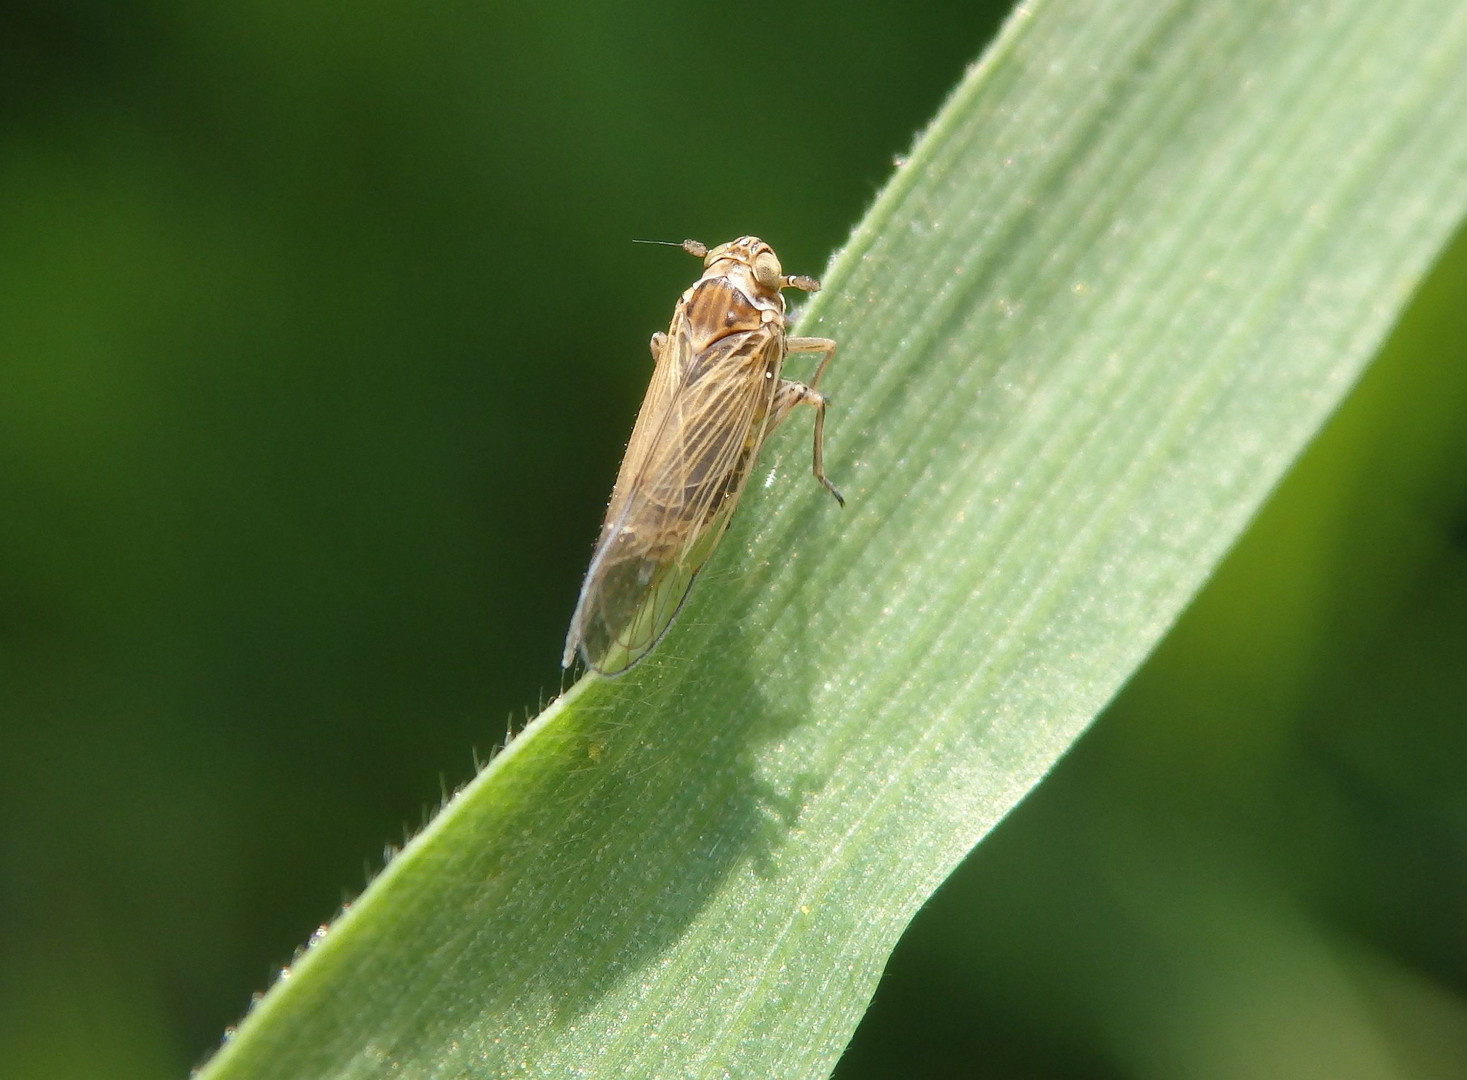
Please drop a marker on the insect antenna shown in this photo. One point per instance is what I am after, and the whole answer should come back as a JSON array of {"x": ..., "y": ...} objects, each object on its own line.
[{"x": 692, "y": 247}]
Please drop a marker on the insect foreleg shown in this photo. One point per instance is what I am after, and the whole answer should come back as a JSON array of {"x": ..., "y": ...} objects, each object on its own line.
[
  {"x": 812, "y": 344},
  {"x": 659, "y": 339}
]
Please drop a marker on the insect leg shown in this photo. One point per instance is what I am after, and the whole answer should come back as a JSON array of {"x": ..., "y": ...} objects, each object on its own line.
[
  {"x": 793, "y": 393},
  {"x": 659, "y": 339},
  {"x": 812, "y": 344},
  {"x": 790, "y": 394}
]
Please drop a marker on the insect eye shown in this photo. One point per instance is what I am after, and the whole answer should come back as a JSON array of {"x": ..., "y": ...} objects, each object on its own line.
[{"x": 767, "y": 270}]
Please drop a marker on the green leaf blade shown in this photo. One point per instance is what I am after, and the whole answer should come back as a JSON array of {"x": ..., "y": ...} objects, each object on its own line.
[{"x": 1129, "y": 271}]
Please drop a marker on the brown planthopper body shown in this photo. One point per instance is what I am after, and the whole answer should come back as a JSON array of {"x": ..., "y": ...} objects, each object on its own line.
[{"x": 716, "y": 394}]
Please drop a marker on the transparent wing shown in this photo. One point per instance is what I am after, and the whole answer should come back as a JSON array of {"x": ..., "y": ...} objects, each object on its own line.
[{"x": 690, "y": 453}]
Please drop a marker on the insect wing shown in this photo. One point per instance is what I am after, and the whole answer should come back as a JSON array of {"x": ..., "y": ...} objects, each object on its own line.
[
  {"x": 694, "y": 443},
  {"x": 629, "y": 600}
]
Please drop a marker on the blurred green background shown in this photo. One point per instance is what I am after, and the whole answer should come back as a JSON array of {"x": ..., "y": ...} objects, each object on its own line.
[{"x": 320, "y": 336}]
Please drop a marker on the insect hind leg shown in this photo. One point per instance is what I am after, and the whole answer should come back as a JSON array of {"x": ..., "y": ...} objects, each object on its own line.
[
  {"x": 790, "y": 394},
  {"x": 793, "y": 393}
]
